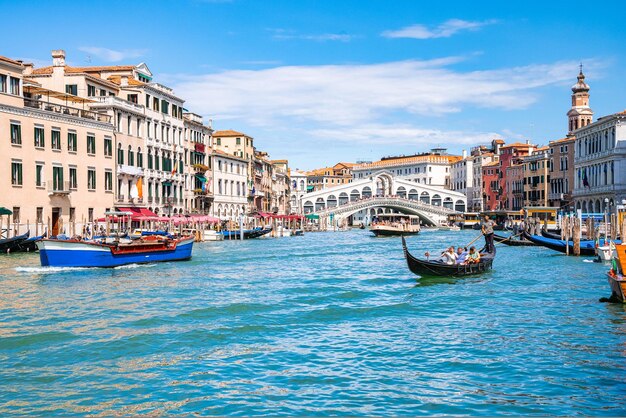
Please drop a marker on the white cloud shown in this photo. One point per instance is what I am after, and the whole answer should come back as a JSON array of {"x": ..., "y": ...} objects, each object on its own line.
[
  {"x": 111, "y": 55},
  {"x": 284, "y": 34},
  {"x": 350, "y": 94},
  {"x": 444, "y": 30}
]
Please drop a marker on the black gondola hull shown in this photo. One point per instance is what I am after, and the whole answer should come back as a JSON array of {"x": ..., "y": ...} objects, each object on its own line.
[
  {"x": 586, "y": 248},
  {"x": 434, "y": 268},
  {"x": 513, "y": 242}
]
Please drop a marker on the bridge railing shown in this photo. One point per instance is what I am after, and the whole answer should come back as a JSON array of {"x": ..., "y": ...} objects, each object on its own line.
[{"x": 383, "y": 200}]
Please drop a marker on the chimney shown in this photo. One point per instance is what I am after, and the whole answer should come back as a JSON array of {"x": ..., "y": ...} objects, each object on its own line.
[
  {"x": 28, "y": 68},
  {"x": 124, "y": 81},
  {"x": 464, "y": 154},
  {"x": 58, "y": 58}
]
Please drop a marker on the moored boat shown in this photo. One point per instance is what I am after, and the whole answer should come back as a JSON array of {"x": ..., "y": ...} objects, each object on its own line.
[
  {"x": 587, "y": 247},
  {"x": 617, "y": 281},
  {"x": 423, "y": 267},
  {"x": 394, "y": 224},
  {"x": 10, "y": 244},
  {"x": 247, "y": 233},
  {"x": 28, "y": 245},
  {"x": 149, "y": 249},
  {"x": 513, "y": 242}
]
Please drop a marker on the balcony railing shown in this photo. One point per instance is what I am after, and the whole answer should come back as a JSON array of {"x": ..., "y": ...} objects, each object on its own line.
[
  {"x": 66, "y": 110},
  {"x": 129, "y": 170},
  {"x": 59, "y": 187},
  {"x": 120, "y": 198},
  {"x": 112, "y": 100},
  {"x": 150, "y": 199}
]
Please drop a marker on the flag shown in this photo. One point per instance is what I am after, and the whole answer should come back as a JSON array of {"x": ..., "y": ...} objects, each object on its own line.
[
  {"x": 585, "y": 179},
  {"x": 140, "y": 187},
  {"x": 174, "y": 169}
]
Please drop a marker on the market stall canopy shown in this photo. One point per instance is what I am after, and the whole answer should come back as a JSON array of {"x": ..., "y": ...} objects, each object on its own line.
[
  {"x": 312, "y": 216},
  {"x": 5, "y": 211},
  {"x": 139, "y": 214}
]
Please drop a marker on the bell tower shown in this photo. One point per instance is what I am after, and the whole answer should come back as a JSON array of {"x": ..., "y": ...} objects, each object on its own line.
[{"x": 580, "y": 114}]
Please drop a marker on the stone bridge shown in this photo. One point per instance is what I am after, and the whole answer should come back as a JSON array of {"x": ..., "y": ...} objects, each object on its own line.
[{"x": 431, "y": 203}]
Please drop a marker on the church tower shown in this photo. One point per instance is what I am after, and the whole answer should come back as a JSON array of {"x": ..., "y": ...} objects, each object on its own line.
[{"x": 580, "y": 114}]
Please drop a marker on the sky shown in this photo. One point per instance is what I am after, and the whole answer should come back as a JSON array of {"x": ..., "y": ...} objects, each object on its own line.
[{"x": 323, "y": 81}]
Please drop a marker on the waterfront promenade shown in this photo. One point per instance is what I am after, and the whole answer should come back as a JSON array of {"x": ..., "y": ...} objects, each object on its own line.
[{"x": 328, "y": 323}]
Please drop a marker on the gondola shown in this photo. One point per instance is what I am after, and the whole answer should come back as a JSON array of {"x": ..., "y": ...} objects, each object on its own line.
[
  {"x": 513, "y": 242},
  {"x": 437, "y": 268},
  {"x": 247, "y": 233},
  {"x": 552, "y": 235},
  {"x": 7, "y": 245},
  {"x": 587, "y": 247},
  {"x": 28, "y": 245}
]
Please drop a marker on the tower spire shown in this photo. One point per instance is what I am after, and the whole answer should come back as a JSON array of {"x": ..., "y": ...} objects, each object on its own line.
[{"x": 580, "y": 113}]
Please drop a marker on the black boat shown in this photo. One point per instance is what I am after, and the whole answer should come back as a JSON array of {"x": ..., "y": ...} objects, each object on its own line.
[
  {"x": 423, "y": 267},
  {"x": 552, "y": 235},
  {"x": 7, "y": 245},
  {"x": 247, "y": 233},
  {"x": 513, "y": 242},
  {"x": 28, "y": 245},
  {"x": 587, "y": 247}
]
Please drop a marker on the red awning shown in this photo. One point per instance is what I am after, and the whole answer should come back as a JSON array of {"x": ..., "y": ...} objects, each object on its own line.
[{"x": 138, "y": 212}]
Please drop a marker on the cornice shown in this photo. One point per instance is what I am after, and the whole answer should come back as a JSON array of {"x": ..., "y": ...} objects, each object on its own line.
[{"x": 54, "y": 117}]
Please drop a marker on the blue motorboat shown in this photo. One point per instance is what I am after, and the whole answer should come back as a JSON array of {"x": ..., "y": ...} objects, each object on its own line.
[{"x": 104, "y": 253}]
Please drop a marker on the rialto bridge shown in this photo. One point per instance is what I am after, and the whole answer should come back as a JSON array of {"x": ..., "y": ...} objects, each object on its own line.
[{"x": 382, "y": 190}]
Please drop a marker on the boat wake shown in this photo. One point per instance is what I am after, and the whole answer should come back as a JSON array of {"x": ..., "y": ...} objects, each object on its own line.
[{"x": 52, "y": 270}]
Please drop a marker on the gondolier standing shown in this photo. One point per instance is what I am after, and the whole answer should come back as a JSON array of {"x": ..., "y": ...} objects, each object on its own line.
[{"x": 487, "y": 230}]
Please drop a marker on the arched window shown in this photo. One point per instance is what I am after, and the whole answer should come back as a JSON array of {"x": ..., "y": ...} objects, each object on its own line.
[
  {"x": 308, "y": 206},
  {"x": 425, "y": 198},
  {"x": 436, "y": 200},
  {"x": 354, "y": 195},
  {"x": 131, "y": 156},
  {"x": 319, "y": 204},
  {"x": 343, "y": 198},
  {"x": 447, "y": 203},
  {"x": 331, "y": 202},
  {"x": 120, "y": 154}
]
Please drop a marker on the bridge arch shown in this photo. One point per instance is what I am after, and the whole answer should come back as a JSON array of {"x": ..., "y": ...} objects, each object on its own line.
[
  {"x": 425, "y": 197},
  {"x": 308, "y": 206},
  {"x": 413, "y": 194},
  {"x": 448, "y": 203},
  {"x": 319, "y": 204},
  {"x": 436, "y": 200},
  {"x": 366, "y": 192},
  {"x": 331, "y": 202},
  {"x": 401, "y": 191},
  {"x": 384, "y": 183},
  {"x": 343, "y": 198},
  {"x": 354, "y": 195},
  {"x": 459, "y": 206}
]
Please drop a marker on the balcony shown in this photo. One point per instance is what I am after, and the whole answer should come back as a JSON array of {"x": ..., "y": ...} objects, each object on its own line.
[
  {"x": 129, "y": 170},
  {"x": 150, "y": 199},
  {"x": 120, "y": 198},
  {"x": 105, "y": 101},
  {"x": 58, "y": 188},
  {"x": 66, "y": 110},
  {"x": 150, "y": 142}
]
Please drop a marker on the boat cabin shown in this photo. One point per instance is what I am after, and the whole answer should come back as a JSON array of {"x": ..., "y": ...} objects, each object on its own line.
[
  {"x": 396, "y": 218},
  {"x": 547, "y": 215}
]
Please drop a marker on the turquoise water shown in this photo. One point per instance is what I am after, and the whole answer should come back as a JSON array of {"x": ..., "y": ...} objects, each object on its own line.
[{"x": 328, "y": 323}]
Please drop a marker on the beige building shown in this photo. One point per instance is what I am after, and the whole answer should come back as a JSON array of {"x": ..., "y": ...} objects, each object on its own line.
[
  {"x": 148, "y": 121},
  {"x": 58, "y": 166},
  {"x": 537, "y": 177},
  {"x": 198, "y": 175}
]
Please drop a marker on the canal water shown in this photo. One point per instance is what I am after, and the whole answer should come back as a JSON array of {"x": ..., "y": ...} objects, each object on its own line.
[{"x": 328, "y": 323}]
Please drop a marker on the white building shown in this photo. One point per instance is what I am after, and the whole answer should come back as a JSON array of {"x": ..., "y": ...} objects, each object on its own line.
[
  {"x": 298, "y": 189},
  {"x": 600, "y": 164},
  {"x": 230, "y": 176},
  {"x": 462, "y": 175},
  {"x": 431, "y": 169}
]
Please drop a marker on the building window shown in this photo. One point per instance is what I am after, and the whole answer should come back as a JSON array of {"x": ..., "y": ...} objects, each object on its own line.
[
  {"x": 39, "y": 137},
  {"x": 39, "y": 175},
  {"x": 120, "y": 154},
  {"x": 164, "y": 106},
  {"x": 15, "y": 86},
  {"x": 16, "y": 173},
  {"x": 55, "y": 139},
  {"x": 108, "y": 147},
  {"x": 16, "y": 214},
  {"x": 73, "y": 178},
  {"x": 16, "y": 133},
  {"x": 103, "y": 92},
  {"x": 71, "y": 89},
  {"x": 238, "y": 141},
  {"x": 72, "y": 214},
  {"x": 149, "y": 160},
  {"x": 156, "y": 161},
  {"x": 131, "y": 156},
  {"x": 91, "y": 179},
  {"x": 72, "y": 142},
  {"x": 219, "y": 141},
  {"x": 91, "y": 90},
  {"x": 155, "y": 104},
  {"x": 90, "y": 214},
  {"x": 91, "y": 144},
  {"x": 39, "y": 216},
  {"x": 3, "y": 83},
  {"x": 139, "y": 158},
  {"x": 148, "y": 103},
  {"x": 108, "y": 181},
  {"x": 57, "y": 178}
]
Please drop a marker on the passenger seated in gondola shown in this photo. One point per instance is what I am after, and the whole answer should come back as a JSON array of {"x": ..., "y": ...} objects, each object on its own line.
[
  {"x": 461, "y": 255},
  {"x": 473, "y": 257},
  {"x": 448, "y": 256}
]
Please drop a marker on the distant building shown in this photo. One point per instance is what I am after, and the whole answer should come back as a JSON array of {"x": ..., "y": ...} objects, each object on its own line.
[
  {"x": 510, "y": 154},
  {"x": 600, "y": 164},
  {"x": 230, "y": 178},
  {"x": 491, "y": 185},
  {"x": 536, "y": 177},
  {"x": 327, "y": 177},
  {"x": 561, "y": 172}
]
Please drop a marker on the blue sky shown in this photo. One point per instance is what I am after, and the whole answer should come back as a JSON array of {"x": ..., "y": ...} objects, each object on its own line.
[{"x": 319, "y": 82}]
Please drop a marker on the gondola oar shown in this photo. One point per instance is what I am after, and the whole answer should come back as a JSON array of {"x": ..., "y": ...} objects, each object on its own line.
[{"x": 474, "y": 240}]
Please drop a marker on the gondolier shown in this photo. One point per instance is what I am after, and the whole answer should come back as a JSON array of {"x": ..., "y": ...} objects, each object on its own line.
[{"x": 487, "y": 230}]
